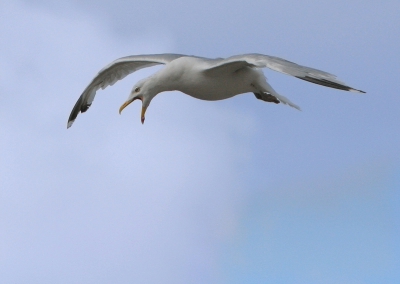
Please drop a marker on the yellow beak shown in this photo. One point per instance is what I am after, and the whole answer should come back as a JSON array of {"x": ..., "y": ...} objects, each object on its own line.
[
  {"x": 124, "y": 106},
  {"x": 142, "y": 113}
]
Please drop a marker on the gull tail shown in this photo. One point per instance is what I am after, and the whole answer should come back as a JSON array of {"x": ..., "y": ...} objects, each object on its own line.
[{"x": 269, "y": 93}]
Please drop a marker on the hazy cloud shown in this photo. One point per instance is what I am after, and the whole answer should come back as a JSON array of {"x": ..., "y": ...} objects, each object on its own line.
[{"x": 229, "y": 191}]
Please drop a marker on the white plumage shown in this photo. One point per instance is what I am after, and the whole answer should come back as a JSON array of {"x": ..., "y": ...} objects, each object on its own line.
[{"x": 202, "y": 78}]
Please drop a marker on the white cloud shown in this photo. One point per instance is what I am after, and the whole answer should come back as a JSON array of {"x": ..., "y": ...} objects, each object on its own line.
[{"x": 108, "y": 200}]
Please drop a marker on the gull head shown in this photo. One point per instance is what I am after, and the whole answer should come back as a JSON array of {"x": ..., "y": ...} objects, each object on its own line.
[{"x": 143, "y": 91}]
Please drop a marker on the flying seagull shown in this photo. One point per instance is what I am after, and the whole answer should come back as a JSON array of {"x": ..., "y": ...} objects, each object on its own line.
[{"x": 202, "y": 78}]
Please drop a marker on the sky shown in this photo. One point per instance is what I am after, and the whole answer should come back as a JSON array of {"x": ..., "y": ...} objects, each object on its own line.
[{"x": 233, "y": 191}]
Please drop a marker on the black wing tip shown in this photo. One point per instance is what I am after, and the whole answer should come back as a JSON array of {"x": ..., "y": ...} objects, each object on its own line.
[
  {"x": 361, "y": 91},
  {"x": 85, "y": 107},
  {"x": 330, "y": 84},
  {"x": 69, "y": 124},
  {"x": 78, "y": 107},
  {"x": 355, "y": 90}
]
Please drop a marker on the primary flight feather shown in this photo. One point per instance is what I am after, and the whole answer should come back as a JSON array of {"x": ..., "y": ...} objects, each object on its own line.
[{"x": 202, "y": 78}]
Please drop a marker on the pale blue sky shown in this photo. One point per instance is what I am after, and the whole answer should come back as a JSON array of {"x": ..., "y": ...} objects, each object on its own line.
[{"x": 235, "y": 191}]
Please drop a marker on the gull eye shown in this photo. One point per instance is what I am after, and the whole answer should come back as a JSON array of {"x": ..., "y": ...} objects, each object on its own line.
[{"x": 137, "y": 89}]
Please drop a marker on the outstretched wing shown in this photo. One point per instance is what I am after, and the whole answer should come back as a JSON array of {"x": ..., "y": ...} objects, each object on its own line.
[
  {"x": 281, "y": 65},
  {"x": 115, "y": 71}
]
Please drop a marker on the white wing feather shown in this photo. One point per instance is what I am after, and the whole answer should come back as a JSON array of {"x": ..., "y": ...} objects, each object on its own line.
[
  {"x": 115, "y": 71},
  {"x": 284, "y": 66},
  {"x": 124, "y": 66}
]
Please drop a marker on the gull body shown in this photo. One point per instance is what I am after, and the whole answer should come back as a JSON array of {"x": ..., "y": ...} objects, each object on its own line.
[
  {"x": 186, "y": 75},
  {"x": 202, "y": 78}
]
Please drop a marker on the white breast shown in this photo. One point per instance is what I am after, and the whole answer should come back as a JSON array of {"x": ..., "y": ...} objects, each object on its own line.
[{"x": 190, "y": 79}]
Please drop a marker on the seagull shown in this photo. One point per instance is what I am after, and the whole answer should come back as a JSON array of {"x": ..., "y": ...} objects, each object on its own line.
[{"x": 202, "y": 78}]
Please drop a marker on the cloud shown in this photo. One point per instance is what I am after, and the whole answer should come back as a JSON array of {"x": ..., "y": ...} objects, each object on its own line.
[
  {"x": 108, "y": 200},
  {"x": 111, "y": 200}
]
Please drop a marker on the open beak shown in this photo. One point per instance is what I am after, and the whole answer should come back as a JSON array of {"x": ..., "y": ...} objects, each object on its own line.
[
  {"x": 142, "y": 114},
  {"x": 128, "y": 103},
  {"x": 125, "y": 105}
]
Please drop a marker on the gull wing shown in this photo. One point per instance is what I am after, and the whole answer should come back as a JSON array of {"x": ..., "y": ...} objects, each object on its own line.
[
  {"x": 115, "y": 71},
  {"x": 281, "y": 65},
  {"x": 217, "y": 66}
]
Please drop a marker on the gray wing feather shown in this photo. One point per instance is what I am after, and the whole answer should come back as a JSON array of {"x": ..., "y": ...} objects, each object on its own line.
[
  {"x": 284, "y": 66},
  {"x": 224, "y": 65},
  {"x": 115, "y": 71}
]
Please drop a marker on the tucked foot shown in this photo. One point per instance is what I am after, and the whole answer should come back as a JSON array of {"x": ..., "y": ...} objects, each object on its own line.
[{"x": 267, "y": 97}]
